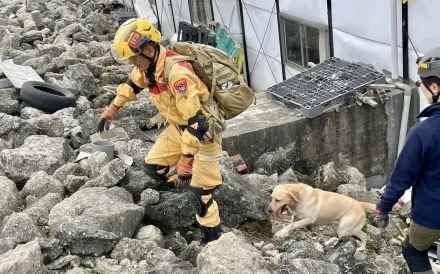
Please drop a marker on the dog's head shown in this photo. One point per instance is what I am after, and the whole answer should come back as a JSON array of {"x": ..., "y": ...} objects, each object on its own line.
[{"x": 282, "y": 196}]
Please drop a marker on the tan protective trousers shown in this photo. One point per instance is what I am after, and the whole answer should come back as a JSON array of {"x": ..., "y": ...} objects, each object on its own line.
[{"x": 206, "y": 167}]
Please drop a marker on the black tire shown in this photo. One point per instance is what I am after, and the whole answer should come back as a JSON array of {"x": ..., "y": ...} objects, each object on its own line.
[{"x": 47, "y": 97}]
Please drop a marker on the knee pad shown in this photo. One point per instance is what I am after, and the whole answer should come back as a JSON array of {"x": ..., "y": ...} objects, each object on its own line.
[
  {"x": 198, "y": 205},
  {"x": 418, "y": 261},
  {"x": 156, "y": 172}
]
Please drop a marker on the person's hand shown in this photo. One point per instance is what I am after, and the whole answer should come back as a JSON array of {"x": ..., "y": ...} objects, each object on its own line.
[
  {"x": 382, "y": 219},
  {"x": 184, "y": 170},
  {"x": 107, "y": 117}
]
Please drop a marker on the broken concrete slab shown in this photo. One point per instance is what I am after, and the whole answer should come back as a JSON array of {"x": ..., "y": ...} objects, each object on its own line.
[{"x": 18, "y": 74}]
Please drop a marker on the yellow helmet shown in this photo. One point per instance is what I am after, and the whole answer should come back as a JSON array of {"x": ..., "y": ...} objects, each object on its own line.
[{"x": 131, "y": 36}]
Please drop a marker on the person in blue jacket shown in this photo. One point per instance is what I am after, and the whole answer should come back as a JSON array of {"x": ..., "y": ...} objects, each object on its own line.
[{"x": 418, "y": 166}]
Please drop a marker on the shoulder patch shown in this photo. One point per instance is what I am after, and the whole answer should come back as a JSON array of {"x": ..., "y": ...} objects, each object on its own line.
[{"x": 181, "y": 86}]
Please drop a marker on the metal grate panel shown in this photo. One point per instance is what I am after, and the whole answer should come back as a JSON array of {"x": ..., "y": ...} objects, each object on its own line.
[{"x": 328, "y": 84}]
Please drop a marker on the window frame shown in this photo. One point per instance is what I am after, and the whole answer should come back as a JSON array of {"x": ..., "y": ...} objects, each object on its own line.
[
  {"x": 208, "y": 11},
  {"x": 324, "y": 53}
]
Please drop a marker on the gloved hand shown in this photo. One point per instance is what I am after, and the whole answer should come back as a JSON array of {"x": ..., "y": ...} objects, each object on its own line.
[
  {"x": 382, "y": 219},
  {"x": 184, "y": 170},
  {"x": 107, "y": 117}
]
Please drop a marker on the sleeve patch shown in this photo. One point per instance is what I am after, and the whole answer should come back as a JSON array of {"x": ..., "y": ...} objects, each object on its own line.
[{"x": 181, "y": 86}]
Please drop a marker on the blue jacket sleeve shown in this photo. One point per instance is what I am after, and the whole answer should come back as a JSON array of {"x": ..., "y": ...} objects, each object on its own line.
[{"x": 408, "y": 164}]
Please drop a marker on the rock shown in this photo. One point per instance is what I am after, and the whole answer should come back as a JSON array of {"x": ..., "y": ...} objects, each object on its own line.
[
  {"x": 14, "y": 130},
  {"x": 41, "y": 65},
  {"x": 288, "y": 177},
  {"x": 30, "y": 112},
  {"x": 71, "y": 29},
  {"x": 64, "y": 261},
  {"x": 136, "y": 149},
  {"x": 262, "y": 182},
  {"x": 77, "y": 270},
  {"x": 149, "y": 197},
  {"x": 89, "y": 121},
  {"x": 7, "y": 244},
  {"x": 81, "y": 37},
  {"x": 302, "y": 250},
  {"x": 54, "y": 78},
  {"x": 352, "y": 176},
  {"x": 357, "y": 192},
  {"x": 39, "y": 210},
  {"x": 31, "y": 36},
  {"x": 67, "y": 117},
  {"x": 240, "y": 202},
  {"x": 49, "y": 125},
  {"x": 24, "y": 259},
  {"x": 51, "y": 249},
  {"x": 51, "y": 50},
  {"x": 96, "y": 160},
  {"x": 174, "y": 211},
  {"x": 230, "y": 254},
  {"x": 103, "y": 99},
  {"x": 175, "y": 242},
  {"x": 151, "y": 233},
  {"x": 68, "y": 169},
  {"x": 343, "y": 253},
  {"x": 405, "y": 211},
  {"x": 21, "y": 227},
  {"x": 131, "y": 127},
  {"x": 79, "y": 80},
  {"x": 98, "y": 23},
  {"x": 7, "y": 104},
  {"x": 73, "y": 183},
  {"x": 191, "y": 252},
  {"x": 134, "y": 250},
  {"x": 375, "y": 235},
  {"x": 117, "y": 134},
  {"x": 306, "y": 266},
  {"x": 276, "y": 161},
  {"x": 38, "y": 153},
  {"x": 40, "y": 184},
  {"x": 10, "y": 199},
  {"x": 24, "y": 56},
  {"x": 110, "y": 175},
  {"x": 327, "y": 178},
  {"x": 9, "y": 40},
  {"x": 92, "y": 220},
  {"x": 136, "y": 182},
  {"x": 141, "y": 110},
  {"x": 82, "y": 104}
]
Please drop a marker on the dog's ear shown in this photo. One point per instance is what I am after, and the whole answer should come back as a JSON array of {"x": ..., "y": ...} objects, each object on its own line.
[{"x": 293, "y": 193}]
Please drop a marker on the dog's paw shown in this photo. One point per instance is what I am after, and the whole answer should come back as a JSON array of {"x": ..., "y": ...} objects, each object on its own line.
[
  {"x": 281, "y": 234},
  {"x": 360, "y": 255}
]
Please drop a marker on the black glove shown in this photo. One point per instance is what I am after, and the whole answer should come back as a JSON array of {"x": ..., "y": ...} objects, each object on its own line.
[{"x": 382, "y": 219}]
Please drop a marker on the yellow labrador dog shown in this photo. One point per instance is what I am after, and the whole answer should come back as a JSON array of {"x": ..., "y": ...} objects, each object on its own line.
[{"x": 312, "y": 205}]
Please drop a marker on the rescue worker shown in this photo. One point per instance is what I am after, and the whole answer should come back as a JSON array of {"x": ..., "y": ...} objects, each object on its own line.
[
  {"x": 181, "y": 148},
  {"x": 418, "y": 165}
]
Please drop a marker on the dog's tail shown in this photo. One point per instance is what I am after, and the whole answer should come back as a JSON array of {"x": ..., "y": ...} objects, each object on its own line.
[{"x": 369, "y": 207}]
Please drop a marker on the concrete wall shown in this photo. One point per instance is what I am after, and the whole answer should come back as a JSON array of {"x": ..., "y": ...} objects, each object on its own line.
[{"x": 363, "y": 137}]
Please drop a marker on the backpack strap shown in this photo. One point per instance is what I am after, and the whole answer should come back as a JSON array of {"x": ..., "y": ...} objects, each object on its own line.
[{"x": 170, "y": 63}]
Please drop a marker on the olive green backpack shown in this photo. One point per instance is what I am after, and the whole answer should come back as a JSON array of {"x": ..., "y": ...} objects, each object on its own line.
[{"x": 229, "y": 93}]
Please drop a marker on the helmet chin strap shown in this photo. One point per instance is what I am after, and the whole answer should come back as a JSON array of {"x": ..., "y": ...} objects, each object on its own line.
[
  {"x": 152, "y": 67},
  {"x": 434, "y": 96}
]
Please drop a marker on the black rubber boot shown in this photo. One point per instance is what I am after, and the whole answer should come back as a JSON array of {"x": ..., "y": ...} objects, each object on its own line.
[{"x": 210, "y": 234}]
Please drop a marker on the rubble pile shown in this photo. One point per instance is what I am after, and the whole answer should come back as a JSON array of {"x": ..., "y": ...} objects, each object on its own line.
[{"x": 102, "y": 215}]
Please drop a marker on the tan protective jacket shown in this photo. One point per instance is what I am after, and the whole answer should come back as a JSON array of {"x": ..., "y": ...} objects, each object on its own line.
[{"x": 188, "y": 90}]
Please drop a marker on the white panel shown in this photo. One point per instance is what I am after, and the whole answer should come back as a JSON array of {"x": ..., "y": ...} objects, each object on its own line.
[
  {"x": 260, "y": 4},
  {"x": 367, "y": 19},
  {"x": 226, "y": 13},
  {"x": 311, "y": 10},
  {"x": 260, "y": 20},
  {"x": 423, "y": 24},
  {"x": 262, "y": 77},
  {"x": 165, "y": 17}
]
